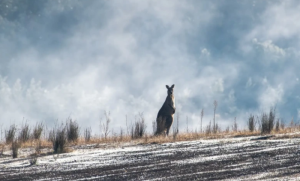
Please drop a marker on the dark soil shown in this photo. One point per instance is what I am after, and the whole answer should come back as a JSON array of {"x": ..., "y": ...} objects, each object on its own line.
[{"x": 232, "y": 160}]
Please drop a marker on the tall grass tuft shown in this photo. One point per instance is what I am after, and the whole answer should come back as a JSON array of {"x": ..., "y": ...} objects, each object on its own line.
[
  {"x": 10, "y": 134},
  {"x": 37, "y": 131},
  {"x": 58, "y": 138},
  {"x": 24, "y": 134},
  {"x": 267, "y": 121},
  {"x": 251, "y": 123},
  {"x": 72, "y": 130},
  {"x": 277, "y": 125},
  {"x": 139, "y": 128}
]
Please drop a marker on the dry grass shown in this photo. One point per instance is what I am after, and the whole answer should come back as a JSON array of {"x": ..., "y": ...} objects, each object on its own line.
[
  {"x": 10, "y": 134},
  {"x": 114, "y": 139}
]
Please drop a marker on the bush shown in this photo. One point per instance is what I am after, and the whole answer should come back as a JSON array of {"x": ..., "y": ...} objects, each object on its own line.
[
  {"x": 72, "y": 130},
  {"x": 37, "y": 131},
  {"x": 15, "y": 147},
  {"x": 10, "y": 134},
  {"x": 267, "y": 121},
  {"x": 139, "y": 128},
  {"x": 24, "y": 134},
  {"x": 251, "y": 123},
  {"x": 277, "y": 125},
  {"x": 59, "y": 139}
]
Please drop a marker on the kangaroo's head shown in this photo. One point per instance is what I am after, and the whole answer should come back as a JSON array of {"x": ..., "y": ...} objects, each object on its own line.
[{"x": 170, "y": 89}]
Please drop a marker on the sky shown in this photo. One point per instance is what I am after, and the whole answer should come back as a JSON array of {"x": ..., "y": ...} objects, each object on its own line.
[{"x": 77, "y": 59}]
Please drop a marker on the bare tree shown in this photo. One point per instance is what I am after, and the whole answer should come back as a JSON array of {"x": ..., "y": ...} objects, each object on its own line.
[{"x": 105, "y": 125}]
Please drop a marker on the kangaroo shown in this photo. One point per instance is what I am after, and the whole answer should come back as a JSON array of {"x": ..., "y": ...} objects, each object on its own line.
[{"x": 165, "y": 117}]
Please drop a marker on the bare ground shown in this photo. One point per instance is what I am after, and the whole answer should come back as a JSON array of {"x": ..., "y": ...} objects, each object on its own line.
[{"x": 228, "y": 159}]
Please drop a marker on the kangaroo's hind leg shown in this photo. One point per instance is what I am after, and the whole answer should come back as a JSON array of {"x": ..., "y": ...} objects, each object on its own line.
[
  {"x": 160, "y": 127},
  {"x": 169, "y": 121}
]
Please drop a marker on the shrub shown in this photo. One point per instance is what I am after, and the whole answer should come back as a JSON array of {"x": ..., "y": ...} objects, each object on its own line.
[
  {"x": 267, "y": 121},
  {"x": 24, "y": 134},
  {"x": 37, "y": 131},
  {"x": 10, "y": 134},
  {"x": 277, "y": 125},
  {"x": 72, "y": 130},
  {"x": 15, "y": 147},
  {"x": 139, "y": 128},
  {"x": 251, "y": 123},
  {"x": 59, "y": 140},
  {"x": 271, "y": 119}
]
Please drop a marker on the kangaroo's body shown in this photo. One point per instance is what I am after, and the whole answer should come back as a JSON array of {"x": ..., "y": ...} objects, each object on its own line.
[{"x": 165, "y": 115}]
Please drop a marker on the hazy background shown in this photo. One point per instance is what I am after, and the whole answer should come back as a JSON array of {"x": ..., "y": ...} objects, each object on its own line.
[{"x": 72, "y": 58}]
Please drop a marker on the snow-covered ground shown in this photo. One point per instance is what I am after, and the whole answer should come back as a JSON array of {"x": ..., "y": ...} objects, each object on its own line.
[{"x": 228, "y": 159}]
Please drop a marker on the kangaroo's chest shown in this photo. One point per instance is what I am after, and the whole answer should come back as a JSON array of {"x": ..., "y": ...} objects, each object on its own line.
[{"x": 173, "y": 100}]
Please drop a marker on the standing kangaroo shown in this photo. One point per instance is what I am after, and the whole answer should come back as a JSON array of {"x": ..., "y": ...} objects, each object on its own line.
[{"x": 165, "y": 117}]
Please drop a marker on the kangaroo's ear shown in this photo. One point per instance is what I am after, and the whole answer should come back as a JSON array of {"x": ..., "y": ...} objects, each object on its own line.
[
  {"x": 172, "y": 86},
  {"x": 167, "y": 87}
]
